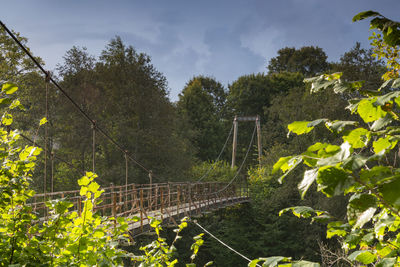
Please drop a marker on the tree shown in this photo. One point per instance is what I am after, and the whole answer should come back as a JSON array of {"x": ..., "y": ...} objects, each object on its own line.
[
  {"x": 136, "y": 108},
  {"x": 127, "y": 97},
  {"x": 308, "y": 60},
  {"x": 252, "y": 94},
  {"x": 202, "y": 104},
  {"x": 359, "y": 64}
]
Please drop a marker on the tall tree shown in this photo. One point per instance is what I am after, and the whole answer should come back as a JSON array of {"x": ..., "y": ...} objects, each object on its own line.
[
  {"x": 251, "y": 94},
  {"x": 128, "y": 98},
  {"x": 308, "y": 60},
  {"x": 202, "y": 105},
  {"x": 360, "y": 64}
]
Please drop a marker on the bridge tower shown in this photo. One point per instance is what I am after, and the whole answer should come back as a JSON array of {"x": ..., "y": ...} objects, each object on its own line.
[{"x": 236, "y": 120}]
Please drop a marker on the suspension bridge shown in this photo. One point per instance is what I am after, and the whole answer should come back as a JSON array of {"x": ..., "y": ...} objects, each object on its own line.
[{"x": 167, "y": 201}]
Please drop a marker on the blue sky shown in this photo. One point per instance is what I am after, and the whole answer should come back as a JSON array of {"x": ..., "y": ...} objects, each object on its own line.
[{"x": 221, "y": 38}]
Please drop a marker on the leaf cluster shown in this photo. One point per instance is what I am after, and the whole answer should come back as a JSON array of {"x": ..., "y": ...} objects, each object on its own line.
[{"x": 363, "y": 166}]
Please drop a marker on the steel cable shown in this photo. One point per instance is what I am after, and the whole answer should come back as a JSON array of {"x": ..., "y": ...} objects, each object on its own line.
[
  {"x": 223, "y": 243},
  {"x": 219, "y": 156}
]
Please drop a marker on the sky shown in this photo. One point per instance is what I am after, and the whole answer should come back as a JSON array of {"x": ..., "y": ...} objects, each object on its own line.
[{"x": 224, "y": 39}]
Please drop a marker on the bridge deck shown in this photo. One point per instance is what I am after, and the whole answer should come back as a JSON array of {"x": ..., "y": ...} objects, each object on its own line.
[
  {"x": 186, "y": 209},
  {"x": 165, "y": 201}
]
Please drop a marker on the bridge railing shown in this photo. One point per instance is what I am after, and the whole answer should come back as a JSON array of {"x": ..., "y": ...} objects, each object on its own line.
[{"x": 142, "y": 199}]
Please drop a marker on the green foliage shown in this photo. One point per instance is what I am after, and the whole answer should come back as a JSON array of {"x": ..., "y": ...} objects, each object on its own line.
[
  {"x": 359, "y": 64},
  {"x": 202, "y": 109},
  {"x": 385, "y": 42},
  {"x": 212, "y": 171},
  {"x": 251, "y": 94},
  {"x": 159, "y": 253},
  {"x": 363, "y": 167},
  {"x": 308, "y": 60}
]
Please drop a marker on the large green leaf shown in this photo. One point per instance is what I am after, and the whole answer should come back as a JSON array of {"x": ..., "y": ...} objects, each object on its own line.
[
  {"x": 361, "y": 209},
  {"x": 362, "y": 201},
  {"x": 382, "y": 122},
  {"x": 355, "y": 162},
  {"x": 363, "y": 256},
  {"x": 333, "y": 181},
  {"x": 309, "y": 177},
  {"x": 337, "y": 228},
  {"x": 273, "y": 261},
  {"x": 338, "y": 126},
  {"x": 305, "y": 264},
  {"x": 339, "y": 156},
  {"x": 299, "y": 127},
  {"x": 375, "y": 174},
  {"x": 286, "y": 164},
  {"x": 387, "y": 262},
  {"x": 358, "y": 138},
  {"x": 300, "y": 211},
  {"x": 368, "y": 111},
  {"x": 364, "y": 15},
  {"x": 383, "y": 144},
  {"x": 322, "y": 82},
  {"x": 317, "y": 146},
  {"x": 382, "y": 100},
  {"x": 390, "y": 192},
  {"x": 340, "y": 87},
  {"x": 9, "y": 88}
]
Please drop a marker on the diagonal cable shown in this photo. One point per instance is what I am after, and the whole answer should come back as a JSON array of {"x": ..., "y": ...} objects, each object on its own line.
[{"x": 219, "y": 156}]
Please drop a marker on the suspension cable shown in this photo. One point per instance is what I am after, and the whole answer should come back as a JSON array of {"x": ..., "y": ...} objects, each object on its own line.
[
  {"x": 219, "y": 156},
  {"x": 223, "y": 243},
  {"x": 76, "y": 105},
  {"x": 47, "y": 77},
  {"x": 240, "y": 168}
]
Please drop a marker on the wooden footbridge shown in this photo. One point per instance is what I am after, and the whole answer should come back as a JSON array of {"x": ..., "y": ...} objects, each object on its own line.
[{"x": 167, "y": 201}]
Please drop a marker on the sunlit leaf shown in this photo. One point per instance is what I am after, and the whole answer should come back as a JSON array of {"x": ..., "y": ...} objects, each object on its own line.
[
  {"x": 365, "y": 14},
  {"x": 338, "y": 126},
  {"x": 84, "y": 181},
  {"x": 7, "y": 119},
  {"x": 299, "y": 127},
  {"x": 382, "y": 122},
  {"x": 383, "y": 144},
  {"x": 369, "y": 112},
  {"x": 358, "y": 138},
  {"x": 363, "y": 256},
  {"x": 9, "y": 88},
  {"x": 43, "y": 121},
  {"x": 309, "y": 177}
]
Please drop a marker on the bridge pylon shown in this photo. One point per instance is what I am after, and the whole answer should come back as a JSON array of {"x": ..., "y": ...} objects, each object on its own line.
[{"x": 236, "y": 120}]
